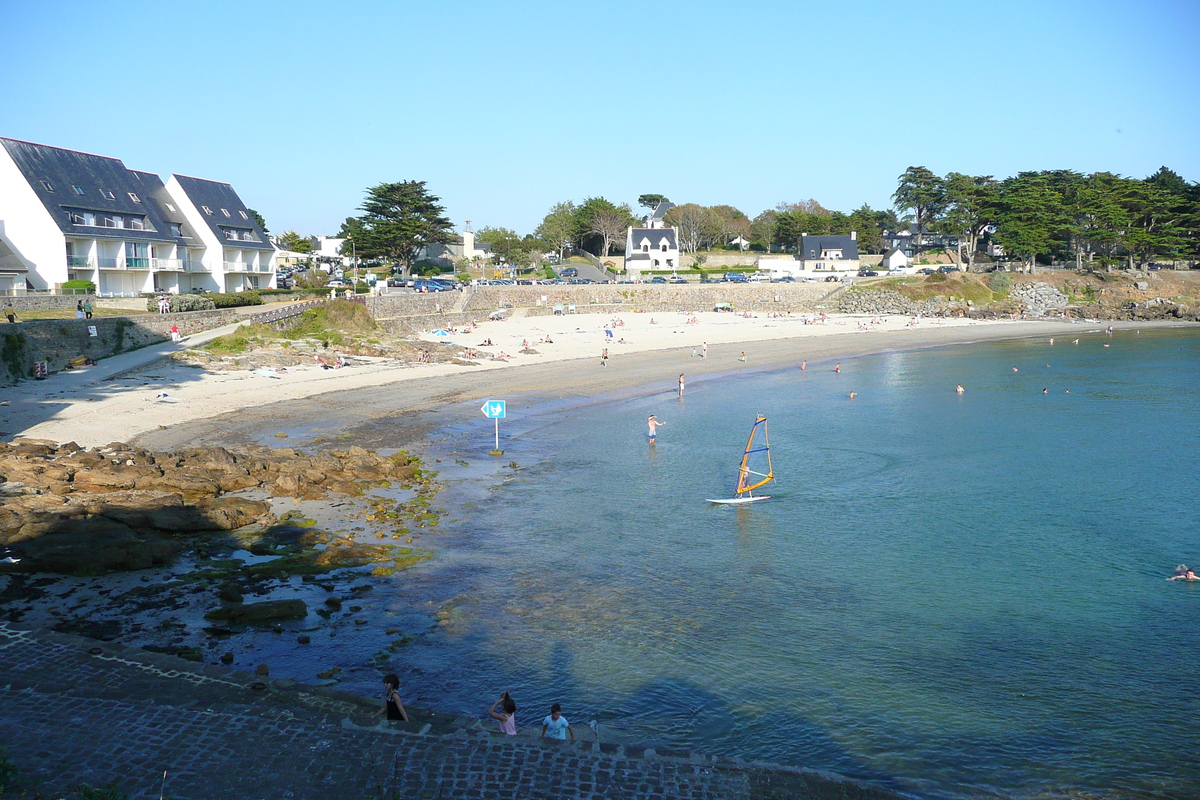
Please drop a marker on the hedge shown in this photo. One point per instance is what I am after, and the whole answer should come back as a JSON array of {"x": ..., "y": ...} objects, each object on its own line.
[
  {"x": 184, "y": 302},
  {"x": 235, "y": 299}
]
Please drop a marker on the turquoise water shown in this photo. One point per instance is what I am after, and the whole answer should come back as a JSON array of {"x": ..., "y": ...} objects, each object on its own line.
[{"x": 956, "y": 595}]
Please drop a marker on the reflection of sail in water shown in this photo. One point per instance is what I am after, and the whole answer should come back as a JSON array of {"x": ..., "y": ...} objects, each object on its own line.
[{"x": 755, "y": 469}]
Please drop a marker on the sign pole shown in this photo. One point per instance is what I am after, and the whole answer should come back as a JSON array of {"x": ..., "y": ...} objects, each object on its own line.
[
  {"x": 497, "y": 451},
  {"x": 495, "y": 410}
]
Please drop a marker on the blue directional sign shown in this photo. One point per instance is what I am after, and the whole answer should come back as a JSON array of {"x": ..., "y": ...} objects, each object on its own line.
[{"x": 494, "y": 409}]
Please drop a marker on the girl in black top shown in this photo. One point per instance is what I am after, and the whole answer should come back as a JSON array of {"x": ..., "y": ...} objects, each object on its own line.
[{"x": 395, "y": 708}]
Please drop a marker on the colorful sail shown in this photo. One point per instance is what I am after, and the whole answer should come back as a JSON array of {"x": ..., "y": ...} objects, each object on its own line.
[{"x": 756, "y": 469}]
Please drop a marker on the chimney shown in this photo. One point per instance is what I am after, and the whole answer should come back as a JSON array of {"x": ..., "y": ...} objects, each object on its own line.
[{"x": 854, "y": 236}]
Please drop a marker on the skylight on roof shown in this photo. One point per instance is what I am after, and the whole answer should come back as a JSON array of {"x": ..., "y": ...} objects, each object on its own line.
[
  {"x": 47, "y": 186},
  {"x": 108, "y": 194},
  {"x": 170, "y": 207},
  {"x": 206, "y": 209},
  {"x": 243, "y": 213},
  {"x": 78, "y": 189},
  {"x": 225, "y": 211},
  {"x": 134, "y": 198}
]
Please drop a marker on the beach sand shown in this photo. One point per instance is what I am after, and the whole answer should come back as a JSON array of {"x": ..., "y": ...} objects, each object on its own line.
[{"x": 647, "y": 352}]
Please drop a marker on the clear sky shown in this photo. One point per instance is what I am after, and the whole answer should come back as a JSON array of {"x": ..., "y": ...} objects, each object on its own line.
[{"x": 506, "y": 108}]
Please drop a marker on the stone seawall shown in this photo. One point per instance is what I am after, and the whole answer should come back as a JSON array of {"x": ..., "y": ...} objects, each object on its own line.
[
  {"x": 886, "y": 301},
  {"x": 57, "y": 341},
  {"x": 756, "y": 297},
  {"x": 44, "y": 302}
]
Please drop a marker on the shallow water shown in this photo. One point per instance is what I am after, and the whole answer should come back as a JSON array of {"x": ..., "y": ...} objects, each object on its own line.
[{"x": 959, "y": 596}]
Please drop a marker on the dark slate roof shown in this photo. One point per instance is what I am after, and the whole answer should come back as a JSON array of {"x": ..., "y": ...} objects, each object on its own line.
[
  {"x": 167, "y": 206},
  {"x": 655, "y": 235},
  {"x": 9, "y": 261},
  {"x": 811, "y": 246},
  {"x": 66, "y": 169},
  {"x": 216, "y": 196},
  {"x": 661, "y": 209}
]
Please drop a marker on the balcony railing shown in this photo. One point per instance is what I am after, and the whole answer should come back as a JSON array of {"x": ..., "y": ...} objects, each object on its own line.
[
  {"x": 242, "y": 266},
  {"x": 167, "y": 264},
  {"x": 81, "y": 262},
  {"x": 195, "y": 266},
  {"x": 123, "y": 263}
]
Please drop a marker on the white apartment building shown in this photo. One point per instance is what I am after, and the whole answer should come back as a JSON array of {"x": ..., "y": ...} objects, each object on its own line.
[{"x": 69, "y": 215}]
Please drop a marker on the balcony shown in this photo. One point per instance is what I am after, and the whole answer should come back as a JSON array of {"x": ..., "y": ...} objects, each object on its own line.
[
  {"x": 195, "y": 266},
  {"x": 123, "y": 263},
  {"x": 242, "y": 266},
  {"x": 166, "y": 264},
  {"x": 81, "y": 262}
]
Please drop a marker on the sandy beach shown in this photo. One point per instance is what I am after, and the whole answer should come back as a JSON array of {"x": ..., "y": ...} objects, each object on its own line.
[{"x": 166, "y": 404}]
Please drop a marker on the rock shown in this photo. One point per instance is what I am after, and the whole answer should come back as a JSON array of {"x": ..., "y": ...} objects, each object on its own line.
[
  {"x": 93, "y": 546},
  {"x": 227, "y": 658},
  {"x": 303, "y": 639},
  {"x": 230, "y": 594},
  {"x": 260, "y": 612},
  {"x": 333, "y": 602},
  {"x": 262, "y": 669}
]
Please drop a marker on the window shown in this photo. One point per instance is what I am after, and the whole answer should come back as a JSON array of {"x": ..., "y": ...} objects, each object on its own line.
[
  {"x": 78, "y": 190},
  {"x": 230, "y": 234},
  {"x": 645, "y": 248},
  {"x": 47, "y": 186},
  {"x": 664, "y": 247},
  {"x": 170, "y": 207},
  {"x": 108, "y": 195},
  {"x": 108, "y": 221},
  {"x": 244, "y": 215},
  {"x": 176, "y": 230},
  {"x": 206, "y": 210},
  {"x": 135, "y": 223},
  {"x": 77, "y": 218},
  {"x": 134, "y": 197},
  {"x": 225, "y": 211}
]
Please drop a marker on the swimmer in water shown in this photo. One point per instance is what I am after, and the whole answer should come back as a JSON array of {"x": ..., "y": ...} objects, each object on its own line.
[
  {"x": 853, "y": 395},
  {"x": 1188, "y": 574},
  {"x": 837, "y": 367},
  {"x": 1015, "y": 369},
  {"x": 959, "y": 389},
  {"x": 1045, "y": 391},
  {"x": 803, "y": 366}
]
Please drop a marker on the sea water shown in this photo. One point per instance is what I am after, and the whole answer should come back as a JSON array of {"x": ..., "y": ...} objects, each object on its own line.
[{"x": 957, "y": 595}]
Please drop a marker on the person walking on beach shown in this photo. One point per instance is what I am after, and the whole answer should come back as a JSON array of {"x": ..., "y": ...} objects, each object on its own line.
[
  {"x": 556, "y": 726},
  {"x": 653, "y": 425},
  {"x": 804, "y": 366},
  {"x": 506, "y": 716},
  {"x": 743, "y": 356},
  {"x": 837, "y": 367},
  {"x": 681, "y": 385},
  {"x": 604, "y": 357},
  {"x": 87, "y": 309},
  {"x": 704, "y": 349},
  {"x": 394, "y": 707}
]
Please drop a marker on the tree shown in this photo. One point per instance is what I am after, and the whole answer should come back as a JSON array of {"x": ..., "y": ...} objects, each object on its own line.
[
  {"x": 1029, "y": 212},
  {"x": 257, "y": 217},
  {"x": 290, "y": 240},
  {"x": 923, "y": 193},
  {"x": 694, "y": 226},
  {"x": 398, "y": 220},
  {"x": 596, "y": 235},
  {"x": 791, "y": 227},
  {"x": 866, "y": 223},
  {"x": 558, "y": 228},
  {"x": 504, "y": 242},
  {"x": 762, "y": 230},
  {"x": 732, "y": 223},
  {"x": 970, "y": 210},
  {"x": 652, "y": 200}
]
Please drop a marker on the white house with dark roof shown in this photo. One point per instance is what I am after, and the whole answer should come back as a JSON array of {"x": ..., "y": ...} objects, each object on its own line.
[
  {"x": 654, "y": 246},
  {"x": 70, "y": 215},
  {"x": 235, "y": 251},
  {"x": 829, "y": 253}
]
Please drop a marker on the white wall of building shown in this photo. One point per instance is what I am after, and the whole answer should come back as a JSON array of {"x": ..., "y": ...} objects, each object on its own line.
[{"x": 28, "y": 228}]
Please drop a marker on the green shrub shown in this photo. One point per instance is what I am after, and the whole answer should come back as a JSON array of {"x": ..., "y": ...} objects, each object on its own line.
[
  {"x": 87, "y": 286},
  {"x": 236, "y": 299},
  {"x": 999, "y": 282},
  {"x": 184, "y": 302},
  {"x": 937, "y": 277}
]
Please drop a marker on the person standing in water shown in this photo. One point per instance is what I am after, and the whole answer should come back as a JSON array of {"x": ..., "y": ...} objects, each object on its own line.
[
  {"x": 653, "y": 424},
  {"x": 681, "y": 385},
  {"x": 704, "y": 349},
  {"x": 394, "y": 708},
  {"x": 959, "y": 389},
  {"x": 506, "y": 716}
]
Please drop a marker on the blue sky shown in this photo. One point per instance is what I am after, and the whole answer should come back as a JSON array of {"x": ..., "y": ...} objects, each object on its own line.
[{"x": 505, "y": 109}]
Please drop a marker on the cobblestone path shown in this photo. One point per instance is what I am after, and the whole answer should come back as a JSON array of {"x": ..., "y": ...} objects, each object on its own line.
[{"x": 74, "y": 710}]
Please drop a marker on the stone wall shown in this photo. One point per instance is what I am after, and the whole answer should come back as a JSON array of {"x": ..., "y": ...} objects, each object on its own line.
[
  {"x": 762, "y": 297},
  {"x": 57, "y": 341},
  {"x": 43, "y": 302},
  {"x": 411, "y": 304},
  {"x": 886, "y": 301}
]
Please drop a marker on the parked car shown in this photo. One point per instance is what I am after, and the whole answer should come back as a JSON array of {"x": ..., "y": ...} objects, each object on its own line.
[
  {"x": 948, "y": 270},
  {"x": 335, "y": 284},
  {"x": 867, "y": 273},
  {"x": 926, "y": 271},
  {"x": 1154, "y": 265},
  {"x": 832, "y": 279},
  {"x": 429, "y": 286},
  {"x": 569, "y": 272},
  {"x": 784, "y": 279},
  {"x": 677, "y": 279},
  {"x": 658, "y": 279},
  {"x": 397, "y": 283},
  {"x": 284, "y": 283},
  {"x": 736, "y": 277}
]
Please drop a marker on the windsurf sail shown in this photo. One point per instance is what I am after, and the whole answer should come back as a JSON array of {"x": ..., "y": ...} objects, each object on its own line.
[{"x": 756, "y": 469}]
